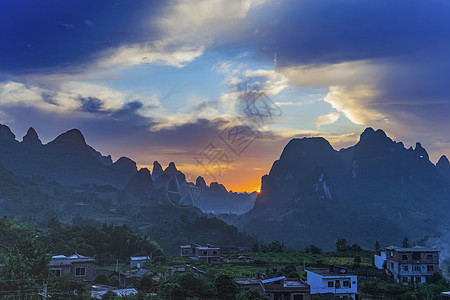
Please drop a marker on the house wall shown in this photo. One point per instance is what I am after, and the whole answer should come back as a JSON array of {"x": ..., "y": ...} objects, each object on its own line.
[
  {"x": 319, "y": 284},
  {"x": 379, "y": 260},
  {"x": 137, "y": 263},
  {"x": 89, "y": 276},
  {"x": 406, "y": 269}
]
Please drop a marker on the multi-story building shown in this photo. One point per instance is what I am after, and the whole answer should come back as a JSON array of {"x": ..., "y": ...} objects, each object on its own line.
[
  {"x": 414, "y": 264},
  {"x": 333, "y": 281},
  {"x": 208, "y": 253},
  {"x": 79, "y": 266}
]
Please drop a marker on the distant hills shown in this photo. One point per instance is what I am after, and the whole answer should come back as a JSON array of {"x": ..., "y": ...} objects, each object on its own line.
[
  {"x": 374, "y": 190},
  {"x": 69, "y": 161}
]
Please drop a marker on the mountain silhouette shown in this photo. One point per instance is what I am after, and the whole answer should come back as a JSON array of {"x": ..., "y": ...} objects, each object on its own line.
[{"x": 374, "y": 190}]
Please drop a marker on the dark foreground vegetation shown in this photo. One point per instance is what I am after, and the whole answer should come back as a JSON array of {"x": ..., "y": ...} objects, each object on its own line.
[{"x": 25, "y": 254}]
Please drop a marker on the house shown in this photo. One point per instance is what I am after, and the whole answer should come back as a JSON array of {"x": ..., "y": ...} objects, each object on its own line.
[
  {"x": 138, "y": 261},
  {"x": 282, "y": 288},
  {"x": 187, "y": 268},
  {"x": 379, "y": 260},
  {"x": 333, "y": 281},
  {"x": 79, "y": 266},
  {"x": 247, "y": 284},
  {"x": 445, "y": 295},
  {"x": 189, "y": 250},
  {"x": 414, "y": 264},
  {"x": 99, "y": 290},
  {"x": 208, "y": 253}
]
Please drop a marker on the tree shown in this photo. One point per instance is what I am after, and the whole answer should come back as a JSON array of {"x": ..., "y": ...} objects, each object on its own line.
[
  {"x": 341, "y": 245},
  {"x": 66, "y": 287},
  {"x": 357, "y": 259},
  {"x": 313, "y": 249},
  {"x": 226, "y": 287},
  {"x": 405, "y": 243},
  {"x": 377, "y": 246},
  {"x": 146, "y": 283},
  {"x": 186, "y": 285},
  {"x": 25, "y": 265},
  {"x": 251, "y": 295}
]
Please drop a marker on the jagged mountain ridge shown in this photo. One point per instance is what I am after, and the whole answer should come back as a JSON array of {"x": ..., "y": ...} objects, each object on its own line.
[
  {"x": 68, "y": 160},
  {"x": 374, "y": 190}
]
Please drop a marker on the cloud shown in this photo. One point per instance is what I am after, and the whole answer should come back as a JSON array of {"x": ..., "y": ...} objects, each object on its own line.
[
  {"x": 327, "y": 119},
  {"x": 89, "y": 23}
]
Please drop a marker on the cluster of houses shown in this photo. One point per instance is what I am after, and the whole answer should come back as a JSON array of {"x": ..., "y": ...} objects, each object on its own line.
[{"x": 405, "y": 265}]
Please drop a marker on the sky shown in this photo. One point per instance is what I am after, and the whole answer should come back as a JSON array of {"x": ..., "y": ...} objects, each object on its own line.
[{"x": 220, "y": 86}]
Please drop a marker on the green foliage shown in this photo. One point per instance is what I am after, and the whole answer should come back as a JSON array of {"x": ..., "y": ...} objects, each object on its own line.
[
  {"x": 274, "y": 247},
  {"x": 25, "y": 263},
  {"x": 290, "y": 271},
  {"x": 251, "y": 295},
  {"x": 313, "y": 249},
  {"x": 357, "y": 259},
  {"x": 377, "y": 246},
  {"x": 146, "y": 284},
  {"x": 405, "y": 243},
  {"x": 67, "y": 287},
  {"x": 226, "y": 288},
  {"x": 341, "y": 245},
  {"x": 105, "y": 243},
  {"x": 102, "y": 279},
  {"x": 428, "y": 291},
  {"x": 186, "y": 285},
  {"x": 109, "y": 296}
]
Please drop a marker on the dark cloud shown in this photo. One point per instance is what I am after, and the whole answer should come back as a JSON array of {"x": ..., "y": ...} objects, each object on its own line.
[
  {"x": 330, "y": 31},
  {"x": 49, "y": 34},
  {"x": 92, "y": 105}
]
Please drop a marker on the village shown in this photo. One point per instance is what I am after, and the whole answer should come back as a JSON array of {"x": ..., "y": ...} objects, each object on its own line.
[{"x": 342, "y": 275}]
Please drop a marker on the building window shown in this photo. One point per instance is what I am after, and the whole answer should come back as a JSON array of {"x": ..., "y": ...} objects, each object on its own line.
[
  {"x": 416, "y": 256},
  {"x": 429, "y": 257},
  {"x": 330, "y": 284},
  {"x": 346, "y": 283},
  {"x": 430, "y": 268},
  {"x": 57, "y": 273},
  {"x": 416, "y": 268},
  {"x": 392, "y": 266},
  {"x": 404, "y": 256},
  {"x": 80, "y": 271},
  {"x": 405, "y": 268},
  {"x": 392, "y": 254},
  {"x": 418, "y": 279},
  {"x": 214, "y": 252}
]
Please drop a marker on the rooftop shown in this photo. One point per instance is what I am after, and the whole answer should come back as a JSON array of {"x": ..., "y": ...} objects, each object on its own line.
[
  {"x": 286, "y": 284},
  {"x": 328, "y": 272},
  {"x": 62, "y": 260},
  {"x": 140, "y": 258},
  {"x": 412, "y": 249}
]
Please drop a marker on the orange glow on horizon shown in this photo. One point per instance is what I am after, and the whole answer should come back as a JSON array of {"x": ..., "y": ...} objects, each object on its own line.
[{"x": 239, "y": 181}]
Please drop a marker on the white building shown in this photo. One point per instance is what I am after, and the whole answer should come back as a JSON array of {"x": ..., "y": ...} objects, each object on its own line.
[
  {"x": 333, "y": 281},
  {"x": 379, "y": 260}
]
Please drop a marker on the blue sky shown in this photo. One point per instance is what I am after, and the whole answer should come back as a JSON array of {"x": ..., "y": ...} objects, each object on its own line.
[{"x": 165, "y": 80}]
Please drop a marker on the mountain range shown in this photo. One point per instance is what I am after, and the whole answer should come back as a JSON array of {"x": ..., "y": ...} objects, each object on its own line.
[
  {"x": 69, "y": 161},
  {"x": 376, "y": 190}
]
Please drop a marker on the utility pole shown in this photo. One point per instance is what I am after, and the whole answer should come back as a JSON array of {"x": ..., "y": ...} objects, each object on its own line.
[
  {"x": 117, "y": 269},
  {"x": 44, "y": 293}
]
